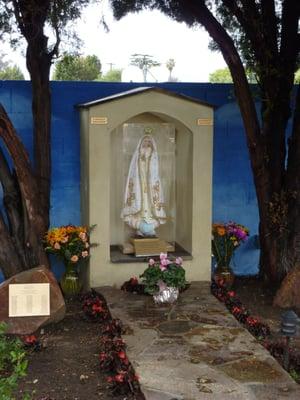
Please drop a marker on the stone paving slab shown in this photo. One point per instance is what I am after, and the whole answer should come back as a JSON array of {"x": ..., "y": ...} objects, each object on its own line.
[{"x": 195, "y": 349}]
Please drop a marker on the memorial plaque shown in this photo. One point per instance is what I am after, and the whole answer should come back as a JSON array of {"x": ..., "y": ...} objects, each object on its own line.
[
  {"x": 29, "y": 299},
  {"x": 149, "y": 247}
]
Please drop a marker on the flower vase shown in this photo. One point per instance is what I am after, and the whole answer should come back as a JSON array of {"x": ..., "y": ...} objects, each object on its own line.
[
  {"x": 70, "y": 282},
  {"x": 167, "y": 295},
  {"x": 224, "y": 276}
]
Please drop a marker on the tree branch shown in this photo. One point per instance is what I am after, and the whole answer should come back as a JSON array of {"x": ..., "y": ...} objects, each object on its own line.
[
  {"x": 27, "y": 182},
  {"x": 9, "y": 261},
  {"x": 13, "y": 207},
  {"x": 289, "y": 35},
  {"x": 269, "y": 23},
  {"x": 232, "y": 58},
  {"x": 252, "y": 30}
]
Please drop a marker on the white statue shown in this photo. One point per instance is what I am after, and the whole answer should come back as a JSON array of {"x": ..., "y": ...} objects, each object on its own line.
[{"x": 143, "y": 208}]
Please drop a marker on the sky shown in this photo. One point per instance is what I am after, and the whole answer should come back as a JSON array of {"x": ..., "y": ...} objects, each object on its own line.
[{"x": 148, "y": 32}]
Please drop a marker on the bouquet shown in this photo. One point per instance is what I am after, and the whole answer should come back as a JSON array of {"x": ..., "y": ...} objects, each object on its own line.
[
  {"x": 69, "y": 243},
  {"x": 226, "y": 238},
  {"x": 163, "y": 273}
]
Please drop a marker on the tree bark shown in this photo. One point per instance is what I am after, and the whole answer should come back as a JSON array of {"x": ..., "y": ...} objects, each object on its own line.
[
  {"x": 33, "y": 223},
  {"x": 38, "y": 64},
  {"x": 10, "y": 262}
]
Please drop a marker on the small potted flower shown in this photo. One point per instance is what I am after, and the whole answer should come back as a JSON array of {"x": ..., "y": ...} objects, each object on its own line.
[
  {"x": 164, "y": 278},
  {"x": 71, "y": 245},
  {"x": 226, "y": 238}
]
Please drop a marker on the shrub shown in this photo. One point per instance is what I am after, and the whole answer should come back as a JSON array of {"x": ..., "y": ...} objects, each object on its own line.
[{"x": 13, "y": 364}]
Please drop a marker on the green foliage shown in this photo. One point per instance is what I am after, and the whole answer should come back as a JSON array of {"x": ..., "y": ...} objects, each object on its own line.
[
  {"x": 13, "y": 364},
  {"x": 173, "y": 276},
  {"x": 221, "y": 75},
  {"x": 115, "y": 75},
  {"x": 59, "y": 16},
  {"x": 297, "y": 76},
  {"x": 295, "y": 375},
  {"x": 11, "y": 73},
  {"x": 77, "y": 68}
]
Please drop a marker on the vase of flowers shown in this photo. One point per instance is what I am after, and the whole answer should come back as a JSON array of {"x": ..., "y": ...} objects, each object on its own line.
[
  {"x": 226, "y": 238},
  {"x": 71, "y": 245},
  {"x": 164, "y": 278}
]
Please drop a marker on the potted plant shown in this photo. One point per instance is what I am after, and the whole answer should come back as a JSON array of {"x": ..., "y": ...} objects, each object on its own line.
[
  {"x": 164, "y": 278},
  {"x": 226, "y": 238},
  {"x": 71, "y": 245}
]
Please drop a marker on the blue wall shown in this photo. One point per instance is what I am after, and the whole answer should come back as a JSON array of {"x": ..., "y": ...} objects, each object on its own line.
[{"x": 233, "y": 191}]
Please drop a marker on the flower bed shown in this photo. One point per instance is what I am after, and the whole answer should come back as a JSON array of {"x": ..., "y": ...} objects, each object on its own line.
[
  {"x": 112, "y": 356},
  {"x": 257, "y": 328}
]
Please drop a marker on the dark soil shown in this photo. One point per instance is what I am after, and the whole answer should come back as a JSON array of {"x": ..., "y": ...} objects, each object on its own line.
[
  {"x": 67, "y": 367},
  {"x": 258, "y": 299}
]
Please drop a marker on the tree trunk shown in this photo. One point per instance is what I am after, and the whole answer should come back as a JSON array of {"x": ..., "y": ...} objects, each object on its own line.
[
  {"x": 38, "y": 64},
  {"x": 24, "y": 216},
  {"x": 27, "y": 197},
  {"x": 266, "y": 144}
]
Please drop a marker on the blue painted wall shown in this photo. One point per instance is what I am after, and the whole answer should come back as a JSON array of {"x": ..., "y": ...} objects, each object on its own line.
[{"x": 233, "y": 190}]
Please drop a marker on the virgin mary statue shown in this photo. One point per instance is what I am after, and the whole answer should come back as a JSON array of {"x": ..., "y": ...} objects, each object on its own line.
[{"x": 143, "y": 208}]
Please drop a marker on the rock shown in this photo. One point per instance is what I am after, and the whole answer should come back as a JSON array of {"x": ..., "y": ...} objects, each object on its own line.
[
  {"x": 28, "y": 325},
  {"x": 288, "y": 295}
]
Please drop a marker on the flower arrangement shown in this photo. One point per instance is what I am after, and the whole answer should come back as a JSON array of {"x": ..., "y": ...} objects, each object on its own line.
[
  {"x": 163, "y": 272},
  {"x": 226, "y": 237},
  {"x": 69, "y": 243}
]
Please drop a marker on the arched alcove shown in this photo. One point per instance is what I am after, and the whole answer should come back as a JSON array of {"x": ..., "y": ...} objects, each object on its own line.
[
  {"x": 104, "y": 166},
  {"x": 175, "y": 143}
]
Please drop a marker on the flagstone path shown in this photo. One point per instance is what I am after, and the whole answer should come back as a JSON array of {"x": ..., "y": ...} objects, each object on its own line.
[{"x": 196, "y": 349}]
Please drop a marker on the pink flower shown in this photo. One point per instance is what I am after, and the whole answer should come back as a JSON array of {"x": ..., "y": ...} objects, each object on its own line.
[
  {"x": 163, "y": 256},
  {"x": 74, "y": 259},
  {"x": 162, "y": 267},
  {"x": 164, "y": 262},
  {"x": 56, "y": 246},
  {"x": 178, "y": 261},
  {"x": 151, "y": 261},
  {"x": 84, "y": 253}
]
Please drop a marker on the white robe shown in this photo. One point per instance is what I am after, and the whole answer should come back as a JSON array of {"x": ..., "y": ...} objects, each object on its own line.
[{"x": 143, "y": 197}]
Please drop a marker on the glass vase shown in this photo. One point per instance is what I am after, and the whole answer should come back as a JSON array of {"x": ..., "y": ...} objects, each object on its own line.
[
  {"x": 70, "y": 282},
  {"x": 224, "y": 276},
  {"x": 168, "y": 295}
]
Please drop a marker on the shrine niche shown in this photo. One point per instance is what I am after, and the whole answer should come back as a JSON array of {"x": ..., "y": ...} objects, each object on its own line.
[{"x": 146, "y": 182}]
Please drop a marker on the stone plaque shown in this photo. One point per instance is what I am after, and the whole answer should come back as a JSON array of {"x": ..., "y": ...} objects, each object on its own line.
[
  {"x": 149, "y": 247},
  {"x": 29, "y": 299}
]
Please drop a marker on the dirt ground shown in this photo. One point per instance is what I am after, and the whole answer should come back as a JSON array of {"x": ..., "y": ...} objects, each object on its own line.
[
  {"x": 67, "y": 367},
  {"x": 258, "y": 298}
]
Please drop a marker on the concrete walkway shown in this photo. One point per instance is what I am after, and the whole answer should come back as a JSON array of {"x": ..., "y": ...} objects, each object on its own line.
[{"x": 196, "y": 349}]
